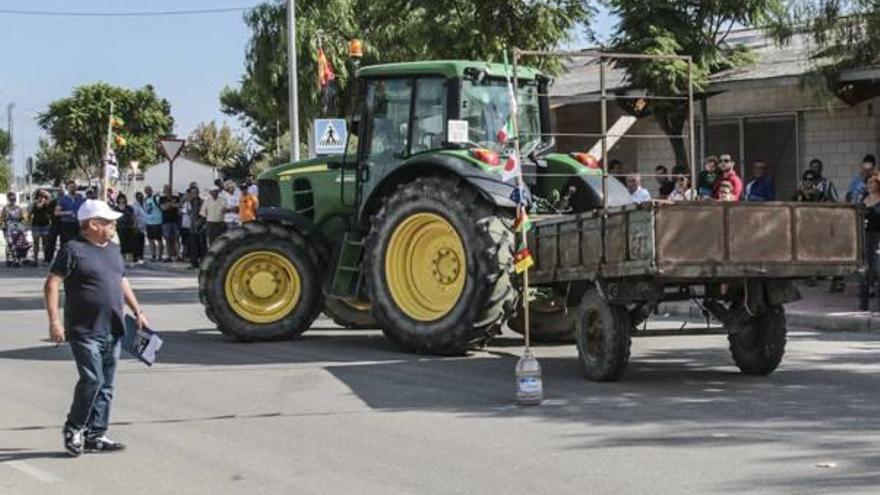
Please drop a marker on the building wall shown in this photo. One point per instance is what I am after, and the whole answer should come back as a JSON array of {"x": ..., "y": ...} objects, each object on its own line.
[
  {"x": 185, "y": 172},
  {"x": 836, "y": 133}
]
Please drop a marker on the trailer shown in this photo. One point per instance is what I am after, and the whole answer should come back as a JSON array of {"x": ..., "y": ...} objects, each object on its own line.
[{"x": 737, "y": 260}]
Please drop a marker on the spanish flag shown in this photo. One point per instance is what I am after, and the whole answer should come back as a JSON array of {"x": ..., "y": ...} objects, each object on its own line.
[
  {"x": 523, "y": 260},
  {"x": 325, "y": 70}
]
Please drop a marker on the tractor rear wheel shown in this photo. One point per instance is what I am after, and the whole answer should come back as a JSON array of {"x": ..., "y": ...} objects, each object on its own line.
[
  {"x": 260, "y": 282},
  {"x": 758, "y": 346},
  {"x": 439, "y": 263},
  {"x": 349, "y": 315}
]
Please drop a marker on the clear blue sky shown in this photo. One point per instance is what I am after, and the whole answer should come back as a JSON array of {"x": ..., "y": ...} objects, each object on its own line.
[{"x": 187, "y": 58}]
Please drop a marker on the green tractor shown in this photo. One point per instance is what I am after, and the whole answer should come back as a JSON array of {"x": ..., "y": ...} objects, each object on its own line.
[{"x": 411, "y": 230}]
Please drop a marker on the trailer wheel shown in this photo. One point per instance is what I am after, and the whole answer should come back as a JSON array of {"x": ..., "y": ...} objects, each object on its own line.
[
  {"x": 757, "y": 348},
  {"x": 603, "y": 338}
]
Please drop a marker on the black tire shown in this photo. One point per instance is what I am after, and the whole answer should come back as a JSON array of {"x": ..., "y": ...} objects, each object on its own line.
[
  {"x": 238, "y": 242},
  {"x": 488, "y": 296},
  {"x": 603, "y": 338},
  {"x": 551, "y": 322},
  {"x": 758, "y": 347},
  {"x": 347, "y": 316}
]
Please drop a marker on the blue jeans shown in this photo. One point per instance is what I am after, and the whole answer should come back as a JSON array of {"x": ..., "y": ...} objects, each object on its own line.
[{"x": 96, "y": 359}]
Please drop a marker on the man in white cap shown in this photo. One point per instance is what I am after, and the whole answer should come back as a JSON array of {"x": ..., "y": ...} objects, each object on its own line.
[{"x": 93, "y": 273}]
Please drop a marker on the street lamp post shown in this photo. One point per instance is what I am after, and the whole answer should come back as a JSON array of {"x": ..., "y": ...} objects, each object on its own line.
[{"x": 292, "y": 86}]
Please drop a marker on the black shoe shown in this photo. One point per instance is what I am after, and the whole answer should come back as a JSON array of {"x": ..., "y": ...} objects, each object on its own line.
[
  {"x": 73, "y": 440},
  {"x": 102, "y": 444}
]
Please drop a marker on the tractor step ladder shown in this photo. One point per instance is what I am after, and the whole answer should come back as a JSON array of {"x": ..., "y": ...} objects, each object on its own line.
[{"x": 348, "y": 277}]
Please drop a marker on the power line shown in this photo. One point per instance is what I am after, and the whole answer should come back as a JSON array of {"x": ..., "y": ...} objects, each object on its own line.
[{"x": 156, "y": 13}]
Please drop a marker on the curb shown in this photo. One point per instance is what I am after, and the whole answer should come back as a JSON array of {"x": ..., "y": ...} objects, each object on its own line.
[
  {"x": 158, "y": 266},
  {"x": 856, "y": 321}
]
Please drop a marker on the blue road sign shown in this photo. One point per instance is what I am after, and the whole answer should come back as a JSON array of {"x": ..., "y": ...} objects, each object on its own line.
[{"x": 330, "y": 136}]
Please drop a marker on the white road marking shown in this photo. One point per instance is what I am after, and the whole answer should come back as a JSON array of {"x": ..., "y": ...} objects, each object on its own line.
[{"x": 33, "y": 472}]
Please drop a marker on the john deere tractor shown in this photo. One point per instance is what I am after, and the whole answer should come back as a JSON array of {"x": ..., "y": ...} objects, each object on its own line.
[{"x": 411, "y": 230}]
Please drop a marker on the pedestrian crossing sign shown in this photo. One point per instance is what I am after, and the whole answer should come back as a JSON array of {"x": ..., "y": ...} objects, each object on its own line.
[{"x": 330, "y": 136}]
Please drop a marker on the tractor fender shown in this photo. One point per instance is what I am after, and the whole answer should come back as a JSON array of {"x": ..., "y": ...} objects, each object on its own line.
[
  {"x": 491, "y": 187},
  {"x": 301, "y": 225},
  {"x": 287, "y": 218}
]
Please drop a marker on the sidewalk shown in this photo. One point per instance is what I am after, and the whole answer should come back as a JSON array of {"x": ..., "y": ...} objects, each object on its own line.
[{"x": 818, "y": 310}]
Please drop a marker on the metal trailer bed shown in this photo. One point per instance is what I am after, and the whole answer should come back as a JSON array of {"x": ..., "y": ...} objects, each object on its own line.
[
  {"x": 737, "y": 260},
  {"x": 696, "y": 242}
]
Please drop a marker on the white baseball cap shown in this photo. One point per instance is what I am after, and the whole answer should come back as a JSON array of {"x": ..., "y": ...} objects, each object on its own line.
[{"x": 94, "y": 208}]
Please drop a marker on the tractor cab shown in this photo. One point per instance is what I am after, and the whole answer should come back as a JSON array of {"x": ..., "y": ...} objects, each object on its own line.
[{"x": 409, "y": 109}]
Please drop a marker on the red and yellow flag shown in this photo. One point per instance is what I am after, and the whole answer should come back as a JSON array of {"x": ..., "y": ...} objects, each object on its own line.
[
  {"x": 523, "y": 260},
  {"x": 325, "y": 70}
]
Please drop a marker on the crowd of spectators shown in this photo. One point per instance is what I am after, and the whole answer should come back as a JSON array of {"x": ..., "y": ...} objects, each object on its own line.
[{"x": 168, "y": 227}]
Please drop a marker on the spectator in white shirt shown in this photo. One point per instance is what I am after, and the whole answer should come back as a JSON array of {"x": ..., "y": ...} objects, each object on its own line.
[
  {"x": 634, "y": 185},
  {"x": 231, "y": 195}
]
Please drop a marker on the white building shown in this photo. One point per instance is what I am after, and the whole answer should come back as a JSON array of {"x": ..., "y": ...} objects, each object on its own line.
[{"x": 186, "y": 171}]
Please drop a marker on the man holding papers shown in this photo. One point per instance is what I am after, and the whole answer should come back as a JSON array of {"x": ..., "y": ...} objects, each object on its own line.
[{"x": 93, "y": 273}]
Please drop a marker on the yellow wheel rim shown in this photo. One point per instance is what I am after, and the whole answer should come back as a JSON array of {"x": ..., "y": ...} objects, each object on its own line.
[
  {"x": 263, "y": 287},
  {"x": 425, "y": 266}
]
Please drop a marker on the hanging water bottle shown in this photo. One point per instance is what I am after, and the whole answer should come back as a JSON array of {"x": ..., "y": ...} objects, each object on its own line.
[{"x": 529, "y": 385}]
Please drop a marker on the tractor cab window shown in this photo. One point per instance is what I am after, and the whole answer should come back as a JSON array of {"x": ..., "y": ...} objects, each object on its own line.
[
  {"x": 388, "y": 108},
  {"x": 429, "y": 115},
  {"x": 485, "y": 105}
]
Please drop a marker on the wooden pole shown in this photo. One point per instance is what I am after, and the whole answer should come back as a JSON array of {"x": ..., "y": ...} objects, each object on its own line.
[
  {"x": 105, "y": 181},
  {"x": 520, "y": 183}
]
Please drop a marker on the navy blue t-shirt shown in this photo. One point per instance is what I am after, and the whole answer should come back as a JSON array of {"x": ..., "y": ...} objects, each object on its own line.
[{"x": 93, "y": 299}]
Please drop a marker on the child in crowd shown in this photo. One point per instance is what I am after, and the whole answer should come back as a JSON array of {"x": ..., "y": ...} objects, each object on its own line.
[{"x": 707, "y": 177}]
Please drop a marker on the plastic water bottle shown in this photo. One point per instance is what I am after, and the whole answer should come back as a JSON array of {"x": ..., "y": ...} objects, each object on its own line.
[{"x": 529, "y": 385}]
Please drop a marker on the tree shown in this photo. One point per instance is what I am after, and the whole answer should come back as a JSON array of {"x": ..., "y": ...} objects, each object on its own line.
[
  {"x": 6, "y": 175},
  {"x": 78, "y": 125},
  {"x": 392, "y": 31},
  {"x": 51, "y": 163},
  {"x": 698, "y": 29},
  {"x": 218, "y": 147},
  {"x": 846, "y": 34}
]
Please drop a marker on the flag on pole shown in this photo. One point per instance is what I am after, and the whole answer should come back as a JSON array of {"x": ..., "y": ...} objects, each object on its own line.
[
  {"x": 523, "y": 260},
  {"x": 505, "y": 133},
  {"x": 511, "y": 168},
  {"x": 522, "y": 222},
  {"x": 325, "y": 70},
  {"x": 111, "y": 167}
]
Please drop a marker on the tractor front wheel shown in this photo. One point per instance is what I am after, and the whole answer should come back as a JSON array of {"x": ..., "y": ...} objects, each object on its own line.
[
  {"x": 260, "y": 282},
  {"x": 439, "y": 263}
]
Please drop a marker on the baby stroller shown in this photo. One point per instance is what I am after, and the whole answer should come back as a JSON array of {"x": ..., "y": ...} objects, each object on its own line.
[{"x": 17, "y": 244}]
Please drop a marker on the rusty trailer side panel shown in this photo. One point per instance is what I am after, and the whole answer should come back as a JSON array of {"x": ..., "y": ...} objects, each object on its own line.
[{"x": 705, "y": 240}]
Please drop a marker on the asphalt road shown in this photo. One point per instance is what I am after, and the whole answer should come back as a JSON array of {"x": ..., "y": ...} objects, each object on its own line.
[{"x": 343, "y": 412}]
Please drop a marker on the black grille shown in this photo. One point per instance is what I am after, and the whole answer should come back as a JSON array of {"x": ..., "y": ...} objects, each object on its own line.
[{"x": 270, "y": 193}]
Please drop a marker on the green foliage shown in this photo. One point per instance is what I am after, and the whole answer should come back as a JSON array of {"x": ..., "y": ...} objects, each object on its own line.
[
  {"x": 218, "y": 147},
  {"x": 846, "y": 32},
  {"x": 392, "y": 31},
  {"x": 6, "y": 175},
  {"x": 695, "y": 28},
  {"x": 78, "y": 125},
  {"x": 52, "y": 164}
]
